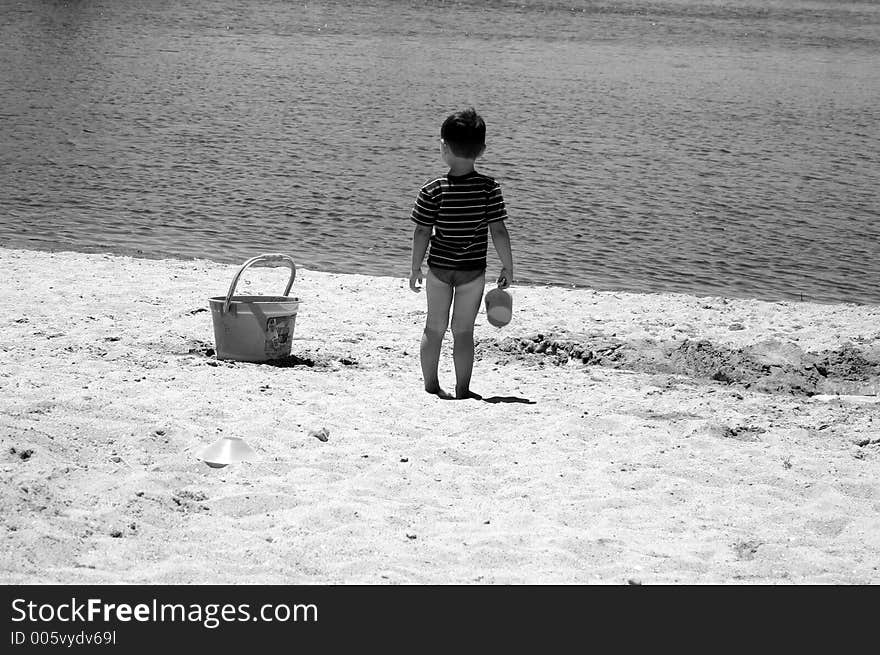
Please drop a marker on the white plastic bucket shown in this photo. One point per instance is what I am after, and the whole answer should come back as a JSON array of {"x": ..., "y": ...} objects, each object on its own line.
[{"x": 255, "y": 328}]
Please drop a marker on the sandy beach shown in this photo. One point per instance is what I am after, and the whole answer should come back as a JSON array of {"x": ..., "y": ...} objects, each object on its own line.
[{"x": 626, "y": 438}]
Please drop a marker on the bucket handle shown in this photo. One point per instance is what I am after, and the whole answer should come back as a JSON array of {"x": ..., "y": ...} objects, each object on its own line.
[{"x": 267, "y": 259}]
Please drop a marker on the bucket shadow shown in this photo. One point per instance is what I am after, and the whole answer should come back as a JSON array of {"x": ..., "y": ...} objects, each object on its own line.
[
  {"x": 291, "y": 361},
  {"x": 319, "y": 362}
]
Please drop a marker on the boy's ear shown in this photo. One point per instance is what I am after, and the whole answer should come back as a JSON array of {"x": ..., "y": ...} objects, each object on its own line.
[{"x": 482, "y": 150}]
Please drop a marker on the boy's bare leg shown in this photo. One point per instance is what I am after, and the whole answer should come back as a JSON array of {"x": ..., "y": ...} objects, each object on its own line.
[
  {"x": 464, "y": 313},
  {"x": 439, "y": 301}
]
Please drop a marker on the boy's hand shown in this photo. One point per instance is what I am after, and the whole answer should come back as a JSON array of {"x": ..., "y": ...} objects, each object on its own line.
[
  {"x": 415, "y": 278},
  {"x": 505, "y": 278}
]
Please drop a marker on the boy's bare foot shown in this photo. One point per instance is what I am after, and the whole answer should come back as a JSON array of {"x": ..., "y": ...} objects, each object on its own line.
[
  {"x": 467, "y": 394},
  {"x": 439, "y": 392}
]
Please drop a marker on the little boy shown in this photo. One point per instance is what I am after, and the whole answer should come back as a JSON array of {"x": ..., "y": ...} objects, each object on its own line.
[{"x": 455, "y": 213}]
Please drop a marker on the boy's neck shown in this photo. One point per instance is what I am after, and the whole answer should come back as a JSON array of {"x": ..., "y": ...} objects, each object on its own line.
[{"x": 461, "y": 167}]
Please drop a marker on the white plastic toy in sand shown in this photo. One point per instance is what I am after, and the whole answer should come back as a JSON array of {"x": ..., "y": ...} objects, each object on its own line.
[{"x": 227, "y": 450}]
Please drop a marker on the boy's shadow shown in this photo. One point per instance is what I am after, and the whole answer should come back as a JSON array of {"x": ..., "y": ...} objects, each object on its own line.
[{"x": 502, "y": 399}]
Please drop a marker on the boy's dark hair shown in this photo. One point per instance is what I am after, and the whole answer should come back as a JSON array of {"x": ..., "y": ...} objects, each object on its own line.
[{"x": 465, "y": 133}]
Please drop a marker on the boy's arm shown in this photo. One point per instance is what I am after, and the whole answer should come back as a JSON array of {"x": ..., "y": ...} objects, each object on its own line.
[
  {"x": 501, "y": 239},
  {"x": 421, "y": 238}
]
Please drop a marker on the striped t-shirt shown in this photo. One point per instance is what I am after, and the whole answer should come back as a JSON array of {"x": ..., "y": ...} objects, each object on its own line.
[{"x": 459, "y": 208}]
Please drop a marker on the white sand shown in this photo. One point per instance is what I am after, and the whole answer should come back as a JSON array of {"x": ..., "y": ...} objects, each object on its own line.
[{"x": 609, "y": 474}]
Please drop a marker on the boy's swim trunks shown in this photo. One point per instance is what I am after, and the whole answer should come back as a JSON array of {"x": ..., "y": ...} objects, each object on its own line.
[{"x": 455, "y": 277}]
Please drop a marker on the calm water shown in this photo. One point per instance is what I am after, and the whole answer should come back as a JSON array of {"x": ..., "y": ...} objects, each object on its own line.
[{"x": 711, "y": 146}]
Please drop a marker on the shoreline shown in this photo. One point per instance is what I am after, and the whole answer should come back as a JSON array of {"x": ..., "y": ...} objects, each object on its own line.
[
  {"x": 607, "y": 452},
  {"x": 609, "y": 287}
]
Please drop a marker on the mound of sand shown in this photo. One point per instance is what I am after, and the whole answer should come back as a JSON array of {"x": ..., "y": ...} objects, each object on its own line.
[{"x": 772, "y": 366}]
